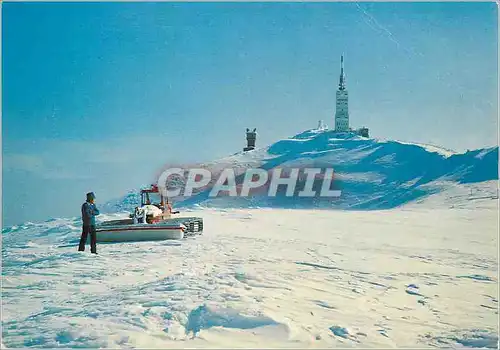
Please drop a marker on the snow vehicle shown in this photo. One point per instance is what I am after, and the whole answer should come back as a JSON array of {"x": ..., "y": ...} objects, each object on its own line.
[{"x": 150, "y": 222}]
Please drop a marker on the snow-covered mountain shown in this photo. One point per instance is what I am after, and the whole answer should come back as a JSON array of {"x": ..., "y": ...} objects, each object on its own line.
[
  {"x": 419, "y": 276},
  {"x": 371, "y": 173}
]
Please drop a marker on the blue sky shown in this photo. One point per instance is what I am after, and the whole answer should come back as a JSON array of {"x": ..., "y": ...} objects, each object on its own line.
[{"x": 98, "y": 96}]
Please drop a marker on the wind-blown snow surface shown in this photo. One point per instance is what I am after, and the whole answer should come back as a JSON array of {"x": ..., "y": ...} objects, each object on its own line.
[
  {"x": 415, "y": 276},
  {"x": 422, "y": 274}
]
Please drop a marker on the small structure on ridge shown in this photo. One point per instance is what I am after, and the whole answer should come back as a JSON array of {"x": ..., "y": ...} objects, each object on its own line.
[{"x": 251, "y": 137}]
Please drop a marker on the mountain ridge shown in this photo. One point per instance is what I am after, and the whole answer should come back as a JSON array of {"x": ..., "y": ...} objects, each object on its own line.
[{"x": 371, "y": 173}]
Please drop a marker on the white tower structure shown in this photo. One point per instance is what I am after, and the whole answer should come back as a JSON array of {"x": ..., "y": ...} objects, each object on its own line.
[{"x": 342, "y": 108}]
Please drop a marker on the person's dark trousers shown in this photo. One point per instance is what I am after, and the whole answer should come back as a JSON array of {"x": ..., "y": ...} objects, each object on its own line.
[{"x": 88, "y": 229}]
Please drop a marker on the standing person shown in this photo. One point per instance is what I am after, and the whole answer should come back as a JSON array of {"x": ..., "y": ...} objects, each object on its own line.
[{"x": 89, "y": 211}]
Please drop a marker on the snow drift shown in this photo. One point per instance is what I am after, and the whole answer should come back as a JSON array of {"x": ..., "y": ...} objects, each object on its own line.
[{"x": 395, "y": 278}]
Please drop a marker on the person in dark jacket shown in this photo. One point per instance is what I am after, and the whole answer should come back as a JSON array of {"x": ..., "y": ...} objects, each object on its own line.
[{"x": 89, "y": 211}]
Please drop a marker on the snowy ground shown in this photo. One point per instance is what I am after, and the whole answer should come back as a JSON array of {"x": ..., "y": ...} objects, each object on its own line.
[{"x": 415, "y": 276}]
